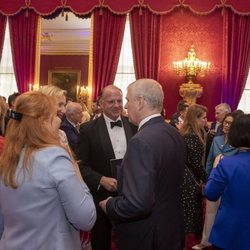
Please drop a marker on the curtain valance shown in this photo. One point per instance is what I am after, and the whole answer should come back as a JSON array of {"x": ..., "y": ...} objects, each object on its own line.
[{"x": 83, "y": 7}]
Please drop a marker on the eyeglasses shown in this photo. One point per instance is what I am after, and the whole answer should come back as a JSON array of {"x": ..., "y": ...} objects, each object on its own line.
[
  {"x": 227, "y": 123},
  {"x": 113, "y": 102}
]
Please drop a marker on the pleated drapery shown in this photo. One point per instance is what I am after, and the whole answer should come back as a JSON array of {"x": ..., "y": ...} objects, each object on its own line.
[
  {"x": 145, "y": 36},
  {"x": 107, "y": 40},
  {"x": 2, "y": 32},
  {"x": 23, "y": 37},
  {"x": 236, "y": 56}
]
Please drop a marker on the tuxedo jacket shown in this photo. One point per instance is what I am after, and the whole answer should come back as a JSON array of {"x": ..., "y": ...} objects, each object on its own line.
[
  {"x": 147, "y": 211},
  {"x": 94, "y": 150},
  {"x": 71, "y": 132}
]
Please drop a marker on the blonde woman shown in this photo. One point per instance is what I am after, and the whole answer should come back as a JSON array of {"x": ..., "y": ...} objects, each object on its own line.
[
  {"x": 60, "y": 95},
  {"x": 43, "y": 201},
  {"x": 61, "y": 99},
  {"x": 194, "y": 137}
]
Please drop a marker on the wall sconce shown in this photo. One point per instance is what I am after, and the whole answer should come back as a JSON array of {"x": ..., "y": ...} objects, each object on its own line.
[
  {"x": 83, "y": 93},
  {"x": 190, "y": 67}
]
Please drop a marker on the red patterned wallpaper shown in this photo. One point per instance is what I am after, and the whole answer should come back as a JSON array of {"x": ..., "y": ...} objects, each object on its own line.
[
  {"x": 179, "y": 30},
  {"x": 63, "y": 62}
]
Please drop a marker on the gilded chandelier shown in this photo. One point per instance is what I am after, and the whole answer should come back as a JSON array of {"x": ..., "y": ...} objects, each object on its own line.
[{"x": 191, "y": 66}]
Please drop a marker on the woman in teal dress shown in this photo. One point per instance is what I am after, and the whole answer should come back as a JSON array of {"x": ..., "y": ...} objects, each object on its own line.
[{"x": 220, "y": 143}]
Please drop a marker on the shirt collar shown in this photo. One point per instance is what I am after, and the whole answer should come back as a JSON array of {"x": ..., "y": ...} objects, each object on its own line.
[
  {"x": 147, "y": 119},
  {"x": 108, "y": 120},
  {"x": 73, "y": 124}
]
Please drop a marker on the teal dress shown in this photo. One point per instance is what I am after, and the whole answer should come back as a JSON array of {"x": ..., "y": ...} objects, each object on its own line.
[{"x": 219, "y": 146}]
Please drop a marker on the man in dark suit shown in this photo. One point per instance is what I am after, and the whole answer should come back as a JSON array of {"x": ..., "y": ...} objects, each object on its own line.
[
  {"x": 148, "y": 213},
  {"x": 101, "y": 140},
  {"x": 178, "y": 117},
  {"x": 71, "y": 123},
  {"x": 220, "y": 112}
]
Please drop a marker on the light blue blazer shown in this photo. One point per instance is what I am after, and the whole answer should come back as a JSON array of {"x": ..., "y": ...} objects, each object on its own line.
[{"x": 47, "y": 209}]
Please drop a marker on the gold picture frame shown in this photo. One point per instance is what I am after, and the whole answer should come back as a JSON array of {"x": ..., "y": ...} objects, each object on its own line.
[{"x": 66, "y": 80}]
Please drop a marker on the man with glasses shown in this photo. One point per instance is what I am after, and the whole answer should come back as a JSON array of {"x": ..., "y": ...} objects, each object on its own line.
[{"x": 102, "y": 140}]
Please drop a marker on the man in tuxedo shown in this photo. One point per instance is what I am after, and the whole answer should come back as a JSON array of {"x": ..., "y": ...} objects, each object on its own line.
[
  {"x": 71, "y": 123},
  {"x": 147, "y": 211},
  {"x": 101, "y": 140}
]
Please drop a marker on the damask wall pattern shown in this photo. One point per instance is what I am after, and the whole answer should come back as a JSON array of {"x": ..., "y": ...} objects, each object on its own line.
[{"x": 180, "y": 30}]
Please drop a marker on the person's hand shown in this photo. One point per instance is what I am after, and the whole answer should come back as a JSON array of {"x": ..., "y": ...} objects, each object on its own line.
[
  {"x": 178, "y": 125},
  {"x": 103, "y": 204},
  {"x": 109, "y": 183},
  {"x": 217, "y": 159},
  {"x": 212, "y": 131}
]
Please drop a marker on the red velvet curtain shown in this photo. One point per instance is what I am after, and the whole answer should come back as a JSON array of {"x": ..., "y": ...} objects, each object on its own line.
[
  {"x": 2, "y": 32},
  {"x": 236, "y": 57},
  {"x": 23, "y": 36},
  {"x": 107, "y": 40},
  {"x": 145, "y": 36}
]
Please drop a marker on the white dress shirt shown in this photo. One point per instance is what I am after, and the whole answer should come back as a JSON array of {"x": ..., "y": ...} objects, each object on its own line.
[{"x": 117, "y": 137}]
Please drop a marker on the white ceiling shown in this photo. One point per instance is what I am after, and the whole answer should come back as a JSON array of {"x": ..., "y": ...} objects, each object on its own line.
[{"x": 65, "y": 37}]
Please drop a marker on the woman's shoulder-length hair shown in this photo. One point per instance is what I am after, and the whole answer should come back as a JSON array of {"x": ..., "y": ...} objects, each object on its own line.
[{"x": 239, "y": 133}]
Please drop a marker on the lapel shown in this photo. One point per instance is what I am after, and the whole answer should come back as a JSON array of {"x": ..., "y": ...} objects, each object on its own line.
[
  {"x": 69, "y": 125},
  {"x": 105, "y": 139}
]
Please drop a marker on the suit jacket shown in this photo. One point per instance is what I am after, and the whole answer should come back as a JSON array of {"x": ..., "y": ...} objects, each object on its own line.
[
  {"x": 219, "y": 128},
  {"x": 148, "y": 213},
  {"x": 174, "y": 119},
  {"x": 46, "y": 210},
  {"x": 95, "y": 151},
  {"x": 210, "y": 137},
  {"x": 71, "y": 132},
  {"x": 231, "y": 181}
]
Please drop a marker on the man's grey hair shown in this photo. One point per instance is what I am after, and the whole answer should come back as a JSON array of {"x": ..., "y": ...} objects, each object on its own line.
[
  {"x": 224, "y": 106},
  {"x": 71, "y": 108},
  {"x": 151, "y": 90}
]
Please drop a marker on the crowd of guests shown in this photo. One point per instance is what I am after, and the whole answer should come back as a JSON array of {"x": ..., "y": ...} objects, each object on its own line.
[{"x": 131, "y": 178}]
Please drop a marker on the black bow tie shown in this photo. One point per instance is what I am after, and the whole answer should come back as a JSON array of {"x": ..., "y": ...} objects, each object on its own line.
[{"x": 117, "y": 123}]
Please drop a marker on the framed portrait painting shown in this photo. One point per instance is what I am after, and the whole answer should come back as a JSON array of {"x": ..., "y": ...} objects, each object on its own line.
[{"x": 65, "y": 79}]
